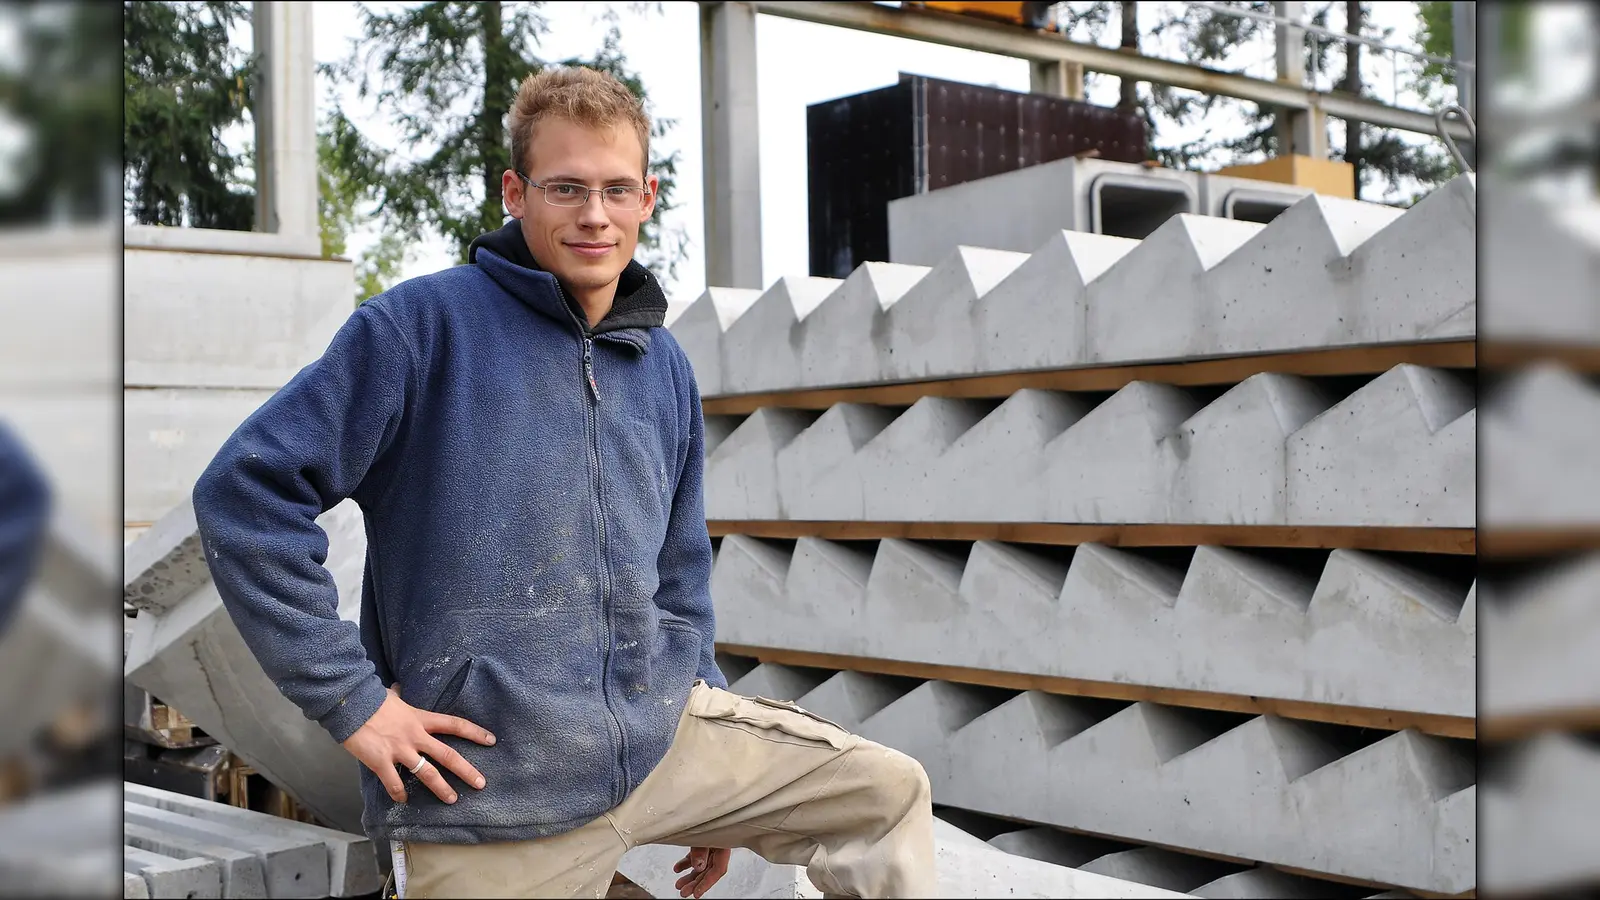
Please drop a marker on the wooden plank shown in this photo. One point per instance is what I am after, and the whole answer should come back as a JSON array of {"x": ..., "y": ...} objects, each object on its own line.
[
  {"x": 1356, "y": 717},
  {"x": 1535, "y": 543},
  {"x": 1582, "y": 358},
  {"x": 1518, "y": 727},
  {"x": 1455, "y": 541},
  {"x": 1229, "y": 370}
]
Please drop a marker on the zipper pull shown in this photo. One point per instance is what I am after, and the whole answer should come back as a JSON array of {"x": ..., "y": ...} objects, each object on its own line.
[{"x": 588, "y": 368}]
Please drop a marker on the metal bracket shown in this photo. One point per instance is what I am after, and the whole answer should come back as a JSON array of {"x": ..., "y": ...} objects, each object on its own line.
[{"x": 1444, "y": 132}]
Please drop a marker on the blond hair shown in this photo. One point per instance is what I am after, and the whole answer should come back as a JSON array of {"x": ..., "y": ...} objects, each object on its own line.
[{"x": 580, "y": 95}]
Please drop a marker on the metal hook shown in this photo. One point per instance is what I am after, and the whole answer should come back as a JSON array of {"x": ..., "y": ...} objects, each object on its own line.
[{"x": 1472, "y": 130}]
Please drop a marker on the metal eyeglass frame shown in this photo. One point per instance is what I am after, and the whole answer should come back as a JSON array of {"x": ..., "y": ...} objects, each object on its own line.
[{"x": 644, "y": 193}]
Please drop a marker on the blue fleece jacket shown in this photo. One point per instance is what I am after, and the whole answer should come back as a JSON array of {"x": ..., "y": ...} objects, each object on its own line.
[
  {"x": 24, "y": 518},
  {"x": 537, "y": 559}
]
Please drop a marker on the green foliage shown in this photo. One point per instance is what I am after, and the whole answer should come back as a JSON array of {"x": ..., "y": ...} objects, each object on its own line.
[
  {"x": 445, "y": 75},
  {"x": 183, "y": 86},
  {"x": 344, "y": 201},
  {"x": 60, "y": 90}
]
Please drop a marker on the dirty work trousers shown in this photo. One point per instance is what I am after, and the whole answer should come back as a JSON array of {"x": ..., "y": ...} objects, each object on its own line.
[{"x": 741, "y": 772}]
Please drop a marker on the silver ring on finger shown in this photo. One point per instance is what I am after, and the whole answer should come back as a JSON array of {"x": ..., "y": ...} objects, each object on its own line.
[{"x": 418, "y": 767}]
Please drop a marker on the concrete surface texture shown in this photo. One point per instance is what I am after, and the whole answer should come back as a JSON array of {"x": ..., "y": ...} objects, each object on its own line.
[
  {"x": 1553, "y": 247},
  {"x": 1398, "y": 811},
  {"x": 1539, "y": 826},
  {"x": 1539, "y": 433},
  {"x": 196, "y": 363},
  {"x": 1361, "y": 630},
  {"x": 242, "y": 852},
  {"x": 57, "y": 843},
  {"x": 57, "y": 644},
  {"x": 1272, "y": 450},
  {"x": 1016, "y": 210},
  {"x": 184, "y": 648},
  {"x": 966, "y": 867},
  {"x": 1541, "y": 649},
  {"x": 1326, "y": 273}
]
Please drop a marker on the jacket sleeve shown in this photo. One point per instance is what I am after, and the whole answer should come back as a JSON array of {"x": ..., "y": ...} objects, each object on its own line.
[
  {"x": 305, "y": 450},
  {"x": 24, "y": 516},
  {"x": 685, "y": 561}
]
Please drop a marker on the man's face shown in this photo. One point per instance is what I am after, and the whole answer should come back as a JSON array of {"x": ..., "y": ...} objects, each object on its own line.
[{"x": 588, "y": 246}]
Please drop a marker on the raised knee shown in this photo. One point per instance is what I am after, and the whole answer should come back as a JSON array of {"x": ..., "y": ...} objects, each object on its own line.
[{"x": 901, "y": 780}]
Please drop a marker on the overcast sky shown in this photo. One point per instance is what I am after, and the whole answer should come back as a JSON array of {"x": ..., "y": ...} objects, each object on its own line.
[{"x": 798, "y": 64}]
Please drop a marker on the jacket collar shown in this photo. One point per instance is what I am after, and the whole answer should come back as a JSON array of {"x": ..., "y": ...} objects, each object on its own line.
[{"x": 640, "y": 304}]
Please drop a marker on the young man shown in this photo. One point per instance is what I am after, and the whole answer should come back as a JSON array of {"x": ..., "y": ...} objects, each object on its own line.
[{"x": 532, "y": 689}]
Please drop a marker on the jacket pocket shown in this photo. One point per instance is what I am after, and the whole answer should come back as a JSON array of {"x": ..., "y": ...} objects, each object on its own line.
[
  {"x": 453, "y": 686},
  {"x": 772, "y": 720}
]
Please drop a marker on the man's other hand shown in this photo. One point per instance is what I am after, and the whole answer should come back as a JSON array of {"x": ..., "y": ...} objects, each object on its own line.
[
  {"x": 706, "y": 866},
  {"x": 399, "y": 734}
]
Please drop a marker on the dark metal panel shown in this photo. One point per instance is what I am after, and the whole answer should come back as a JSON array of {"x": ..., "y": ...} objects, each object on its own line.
[{"x": 924, "y": 134}]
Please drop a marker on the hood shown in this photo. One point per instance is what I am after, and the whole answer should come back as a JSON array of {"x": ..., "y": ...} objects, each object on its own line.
[{"x": 640, "y": 302}]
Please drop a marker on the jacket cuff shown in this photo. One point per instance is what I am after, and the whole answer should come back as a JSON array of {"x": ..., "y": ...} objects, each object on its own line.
[{"x": 355, "y": 709}]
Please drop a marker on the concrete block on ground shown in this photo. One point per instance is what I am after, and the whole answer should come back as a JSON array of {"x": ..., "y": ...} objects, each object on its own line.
[
  {"x": 168, "y": 877},
  {"x": 991, "y": 472},
  {"x": 699, "y": 329},
  {"x": 290, "y": 867},
  {"x": 134, "y": 888},
  {"x": 741, "y": 477},
  {"x": 170, "y": 435},
  {"x": 841, "y": 340},
  {"x": 184, "y": 648},
  {"x": 1405, "y": 445},
  {"x": 1036, "y": 318},
  {"x": 352, "y": 861},
  {"x": 58, "y": 653},
  {"x": 61, "y": 842},
  {"x": 928, "y": 333},
  {"x": 1149, "y": 301},
  {"x": 819, "y": 472},
  {"x": 276, "y": 315},
  {"x": 242, "y": 872},
  {"x": 759, "y": 350},
  {"x": 1109, "y": 467}
]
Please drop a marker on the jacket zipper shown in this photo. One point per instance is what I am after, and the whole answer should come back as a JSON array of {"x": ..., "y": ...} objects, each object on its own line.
[{"x": 613, "y": 722}]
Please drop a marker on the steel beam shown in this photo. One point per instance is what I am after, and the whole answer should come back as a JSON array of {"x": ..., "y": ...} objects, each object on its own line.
[{"x": 974, "y": 34}]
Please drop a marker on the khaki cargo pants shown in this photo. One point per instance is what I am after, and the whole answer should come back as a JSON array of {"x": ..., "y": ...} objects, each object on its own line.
[{"x": 741, "y": 772}]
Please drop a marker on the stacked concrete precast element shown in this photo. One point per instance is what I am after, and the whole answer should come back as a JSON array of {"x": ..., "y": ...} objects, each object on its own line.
[
  {"x": 1540, "y": 690},
  {"x": 1341, "y": 629},
  {"x": 1326, "y": 273}
]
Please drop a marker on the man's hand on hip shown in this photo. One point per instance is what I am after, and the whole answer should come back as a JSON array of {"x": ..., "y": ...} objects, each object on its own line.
[
  {"x": 706, "y": 867},
  {"x": 399, "y": 734}
]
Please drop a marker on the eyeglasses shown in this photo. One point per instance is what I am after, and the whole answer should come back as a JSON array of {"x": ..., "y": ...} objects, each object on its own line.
[{"x": 616, "y": 196}]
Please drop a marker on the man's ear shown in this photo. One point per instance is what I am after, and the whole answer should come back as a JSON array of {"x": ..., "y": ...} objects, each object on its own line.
[
  {"x": 652, "y": 184},
  {"x": 511, "y": 189}
]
